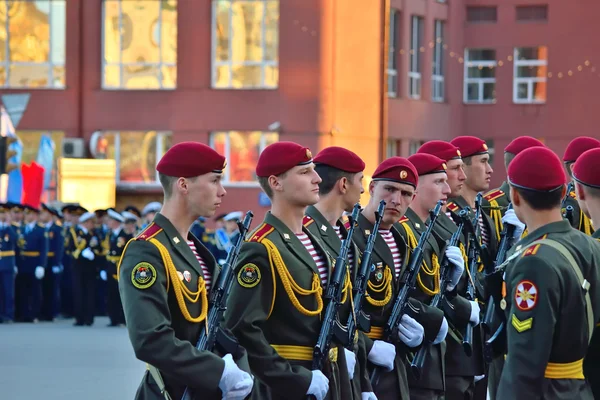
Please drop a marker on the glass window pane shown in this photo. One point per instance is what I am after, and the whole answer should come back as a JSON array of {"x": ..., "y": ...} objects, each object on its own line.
[
  {"x": 481, "y": 72},
  {"x": 111, "y": 38},
  {"x": 169, "y": 76},
  {"x": 481, "y": 55},
  {"x": 28, "y": 75},
  {"x": 539, "y": 91},
  {"x": 218, "y": 142},
  {"x": 489, "y": 91},
  {"x": 168, "y": 43},
  {"x": 472, "y": 92},
  {"x": 29, "y": 32},
  {"x": 222, "y": 10},
  {"x": 532, "y": 53},
  {"x": 58, "y": 77},
  {"x": 221, "y": 76},
  {"x": 112, "y": 76},
  {"x": 245, "y": 76},
  {"x": 3, "y": 32},
  {"x": 271, "y": 137},
  {"x": 243, "y": 154},
  {"x": 246, "y": 23},
  {"x": 2, "y": 76},
  {"x": 58, "y": 26},
  {"x": 522, "y": 91},
  {"x": 271, "y": 76},
  {"x": 137, "y": 156},
  {"x": 532, "y": 72},
  {"x": 141, "y": 77},
  {"x": 138, "y": 34},
  {"x": 272, "y": 31}
]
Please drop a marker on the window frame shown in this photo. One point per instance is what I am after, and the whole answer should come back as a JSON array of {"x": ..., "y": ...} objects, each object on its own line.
[
  {"x": 437, "y": 75},
  {"x": 528, "y": 80},
  {"x": 50, "y": 63},
  {"x": 480, "y": 81},
  {"x": 122, "y": 65},
  {"x": 227, "y": 172},
  {"x": 213, "y": 51},
  {"x": 392, "y": 67},
  {"x": 415, "y": 81}
]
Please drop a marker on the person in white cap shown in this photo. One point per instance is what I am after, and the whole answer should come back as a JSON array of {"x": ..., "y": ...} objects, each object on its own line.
[
  {"x": 130, "y": 225},
  {"x": 117, "y": 239},
  {"x": 84, "y": 246},
  {"x": 231, "y": 227},
  {"x": 149, "y": 211}
]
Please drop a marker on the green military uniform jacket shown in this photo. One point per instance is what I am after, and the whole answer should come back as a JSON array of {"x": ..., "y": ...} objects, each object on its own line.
[
  {"x": 495, "y": 203},
  {"x": 578, "y": 220},
  {"x": 591, "y": 364},
  {"x": 156, "y": 268},
  {"x": 274, "y": 310},
  {"x": 316, "y": 224},
  {"x": 547, "y": 327},
  {"x": 383, "y": 288}
]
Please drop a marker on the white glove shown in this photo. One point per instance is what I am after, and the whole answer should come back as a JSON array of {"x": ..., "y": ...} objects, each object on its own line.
[
  {"x": 235, "y": 383},
  {"x": 510, "y": 218},
  {"x": 103, "y": 275},
  {"x": 383, "y": 354},
  {"x": 368, "y": 396},
  {"x": 350, "y": 362},
  {"x": 455, "y": 257},
  {"x": 319, "y": 385},
  {"x": 474, "y": 313},
  {"x": 442, "y": 333},
  {"x": 478, "y": 378},
  {"x": 410, "y": 331},
  {"x": 16, "y": 270},
  {"x": 39, "y": 272},
  {"x": 88, "y": 253},
  {"x": 56, "y": 269}
]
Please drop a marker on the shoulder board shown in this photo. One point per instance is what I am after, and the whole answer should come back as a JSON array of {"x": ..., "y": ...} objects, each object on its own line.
[
  {"x": 148, "y": 233},
  {"x": 453, "y": 207},
  {"x": 403, "y": 219},
  {"x": 261, "y": 232},
  {"x": 346, "y": 224},
  {"x": 493, "y": 194},
  {"x": 531, "y": 251},
  {"x": 573, "y": 194},
  {"x": 307, "y": 220}
]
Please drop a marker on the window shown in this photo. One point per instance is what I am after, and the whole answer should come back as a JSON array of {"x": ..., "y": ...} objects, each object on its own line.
[
  {"x": 532, "y": 13},
  {"x": 32, "y": 44},
  {"x": 139, "y": 44},
  {"x": 241, "y": 149},
  {"x": 33, "y": 151},
  {"x": 392, "y": 69},
  {"x": 416, "y": 48},
  {"x": 531, "y": 70},
  {"x": 414, "y": 146},
  {"x": 136, "y": 154},
  {"x": 481, "y": 14},
  {"x": 437, "y": 77},
  {"x": 394, "y": 148},
  {"x": 480, "y": 76},
  {"x": 245, "y": 44}
]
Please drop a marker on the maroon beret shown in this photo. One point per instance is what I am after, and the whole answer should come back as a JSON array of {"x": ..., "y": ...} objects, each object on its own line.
[
  {"x": 340, "y": 158},
  {"x": 587, "y": 168},
  {"x": 190, "y": 159},
  {"x": 444, "y": 150},
  {"x": 397, "y": 169},
  {"x": 470, "y": 145},
  {"x": 537, "y": 168},
  {"x": 578, "y": 146},
  {"x": 521, "y": 143},
  {"x": 280, "y": 157},
  {"x": 427, "y": 163}
]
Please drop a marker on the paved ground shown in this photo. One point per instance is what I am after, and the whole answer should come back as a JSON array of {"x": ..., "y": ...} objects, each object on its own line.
[{"x": 59, "y": 361}]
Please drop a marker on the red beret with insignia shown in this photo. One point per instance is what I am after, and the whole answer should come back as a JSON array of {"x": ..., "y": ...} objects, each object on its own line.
[
  {"x": 397, "y": 169},
  {"x": 427, "y": 163},
  {"x": 578, "y": 146},
  {"x": 444, "y": 150},
  {"x": 470, "y": 145},
  {"x": 190, "y": 159},
  {"x": 340, "y": 158},
  {"x": 521, "y": 143},
  {"x": 537, "y": 168},
  {"x": 587, "y": 168},
  {"x": 280, "y": 157}
]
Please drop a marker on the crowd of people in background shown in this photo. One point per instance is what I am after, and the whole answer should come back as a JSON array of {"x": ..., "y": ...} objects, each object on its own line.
[{"x": 59, "y": 261}]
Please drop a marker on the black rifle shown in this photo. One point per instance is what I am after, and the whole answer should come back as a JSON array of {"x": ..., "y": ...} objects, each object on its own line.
[
  {"x": 419, "y": 360},
  {"x": 333, "y": 297},
  {"x": 214, "y": 336},
  {"x": 359, "y": 317},
  {"x": 568, "y": 213},
  {"x": 409, "y": 280}
]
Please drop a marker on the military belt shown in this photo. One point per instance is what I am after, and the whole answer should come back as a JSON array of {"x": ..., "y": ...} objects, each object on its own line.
[
  {"x": 30, "y": 253},
  {"x": 301, "y": 353},
  {"x": 572, "y": 370},
  {"x": 7, "y": 253},
  {"x": 376, "y": 333}
]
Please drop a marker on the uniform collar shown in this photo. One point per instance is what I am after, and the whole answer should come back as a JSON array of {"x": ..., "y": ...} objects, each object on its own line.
[{"x": 554, "y": 227}]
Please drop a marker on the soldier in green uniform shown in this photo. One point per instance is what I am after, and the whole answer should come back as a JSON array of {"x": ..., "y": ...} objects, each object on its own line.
[
  {"x": 165, "y": 278},
  {"x": 551, "y": 295},
  {"x": 341, "y": 173},
  {"x": 276, "y": 303},
  {"x": 496, "y": 201},
  {"x": 586, "y": 173},
  {"x": 577, "y": 147},
  {"x": 431, "y": 188},
  {"x": 394, "y": 181}
]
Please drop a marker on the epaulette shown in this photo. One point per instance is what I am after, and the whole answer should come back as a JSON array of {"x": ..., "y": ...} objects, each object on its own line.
[
  {"x": 573, "y": 194},
  {"x": 307, "y": 220},
  {"x": 453, "y": 207},
  {"x": 403, "y": 219},
  {"x": 261, "y": 232},
  {"x": 533, "y": 249},
  {"x": 149, "y": 232},
  {"x": 493, "y": 194}
]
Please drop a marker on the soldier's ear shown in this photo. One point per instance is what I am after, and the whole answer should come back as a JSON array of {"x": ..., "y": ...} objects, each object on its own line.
[
  {"x": 579, "y": 191},
  {"x": 343, "y": 185}
]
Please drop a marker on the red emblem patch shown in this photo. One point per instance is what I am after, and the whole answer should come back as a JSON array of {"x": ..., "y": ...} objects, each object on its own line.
[{"x": 526, "y": 295}]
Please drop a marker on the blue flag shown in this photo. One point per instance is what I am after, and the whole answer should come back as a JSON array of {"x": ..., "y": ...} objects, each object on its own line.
[{"x": 45, "y": 158}]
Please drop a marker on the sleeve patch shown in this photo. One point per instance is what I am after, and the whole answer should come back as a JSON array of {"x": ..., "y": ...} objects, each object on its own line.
[
  {"x": 249, "y": 276},
  {"x": 493, "y": 194},
  {"x": 143, "y": 275},
  {"x": 403, "y": 219},
  {"x": 261, "y": 232},
  {"x": 148, "y": 233},
  {"x": 453, "y": 207},
  {"x": 521, "y": 326},
  {"x": 526, "y": 295},
  {"x": 306, "y": 221}
]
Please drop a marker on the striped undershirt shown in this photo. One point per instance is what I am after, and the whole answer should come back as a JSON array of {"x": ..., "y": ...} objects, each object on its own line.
[
  {"x": 449, "y": 214},
  {"x": 205, "y": 270},
  {"x": 350, "y": 253},
  {"x": 305, "y": 240},
  {"x": 485, "y": 237},
  {"x": 391, "y": 242}
]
